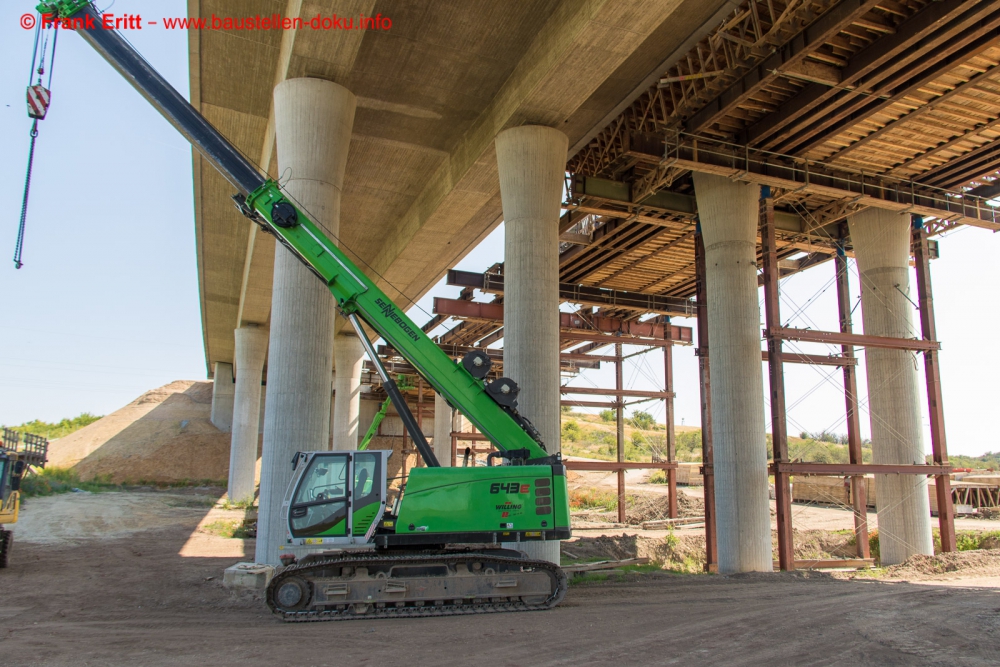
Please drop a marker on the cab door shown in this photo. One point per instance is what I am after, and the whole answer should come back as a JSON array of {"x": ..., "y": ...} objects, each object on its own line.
[
  {"x": 321, "y": 500},
  {"x": 368, "y": 502}
]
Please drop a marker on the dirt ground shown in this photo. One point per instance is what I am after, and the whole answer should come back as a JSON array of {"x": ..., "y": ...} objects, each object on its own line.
[{"x": 151, "y": 594}]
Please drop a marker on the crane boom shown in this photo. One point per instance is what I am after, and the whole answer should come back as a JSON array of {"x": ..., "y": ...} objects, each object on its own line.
[{"x": 490, "y": 406}]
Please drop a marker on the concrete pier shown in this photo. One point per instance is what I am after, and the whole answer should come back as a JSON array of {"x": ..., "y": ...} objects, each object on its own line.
[
  {"x": 251, "y": 350},
  {"x": 222, "y": 396},
  {"x": 442, "y": 430},
  {"x": 313, "y": 122},
  {"x": 728, "y": 213},
  {"x": 532, "y": 161},
  {"x": 881, "y": 242},
  {"x": 347, "y": 391}
]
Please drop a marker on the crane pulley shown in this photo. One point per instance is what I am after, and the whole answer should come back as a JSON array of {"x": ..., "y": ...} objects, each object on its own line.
[{"x": 38, "y": 99}]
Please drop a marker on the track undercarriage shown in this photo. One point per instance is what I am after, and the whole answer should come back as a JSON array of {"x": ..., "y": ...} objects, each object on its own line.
[{"x": 372, "y": 584}]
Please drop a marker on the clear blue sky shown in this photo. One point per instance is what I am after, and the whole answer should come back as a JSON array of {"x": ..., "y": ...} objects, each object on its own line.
[{"x": 106, "y": 306}]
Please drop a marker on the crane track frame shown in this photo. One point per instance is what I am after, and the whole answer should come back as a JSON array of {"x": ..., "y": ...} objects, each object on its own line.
[{"x": 395, "y": 599}]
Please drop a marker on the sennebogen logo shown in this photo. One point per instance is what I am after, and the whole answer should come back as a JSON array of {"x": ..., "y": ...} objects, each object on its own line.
[{"x": 389, "y": 311}]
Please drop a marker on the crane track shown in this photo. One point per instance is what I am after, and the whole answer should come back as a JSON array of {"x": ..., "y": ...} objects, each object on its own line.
[{"x": 409, "y": 608}]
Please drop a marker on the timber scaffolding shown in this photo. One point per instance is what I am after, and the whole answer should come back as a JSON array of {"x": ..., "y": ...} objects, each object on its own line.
[{"x": 833, "y": 106}]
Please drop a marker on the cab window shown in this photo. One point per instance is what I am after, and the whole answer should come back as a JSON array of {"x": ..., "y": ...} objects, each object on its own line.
[
  {"x": 320, "y": 503},
  {"x": 367, "y": 476}
]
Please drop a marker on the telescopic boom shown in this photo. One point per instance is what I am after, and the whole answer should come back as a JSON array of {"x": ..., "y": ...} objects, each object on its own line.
[{"x": 490, "y": 406}]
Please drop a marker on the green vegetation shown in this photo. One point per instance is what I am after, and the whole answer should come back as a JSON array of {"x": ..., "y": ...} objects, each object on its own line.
[
  {"x": 989, "y": 460},
  {"x": 593, "y": 436},
  {"x": 51, "y": 481},
  {"x": 971, "y": 540},
  {"x": 873, "y": 545},
  {"x": 642, "y": 420},
  {"x": 231, "y": 528},
  {"x": 965, "y": 540},
  {"x": 238, "y": 505},
  {"x": 571, "y": 430},
  {"x": 59, "y": 429},
  {"x": 595, "y": 499},
  {"x": 610, "y": 576}
]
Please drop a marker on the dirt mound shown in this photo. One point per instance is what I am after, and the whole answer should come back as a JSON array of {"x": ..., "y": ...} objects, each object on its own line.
[
  {"x": 674, "y": 552},
  {"x": 980, "y": 562},
  {"x": 165, "y": 435},
  {"x": 820, "y": 544},
  {"x": 652, "y": 507},
  {"x": 643, "y": 507}
]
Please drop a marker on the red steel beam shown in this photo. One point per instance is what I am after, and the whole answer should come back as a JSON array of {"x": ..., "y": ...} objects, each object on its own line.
[
  {"x": 613, "y": 466},
  {"x": 705, "y": 391},
  {"x": 838, "y": 338},
  {"x": 494, "y": 312},
  {"x": 842, "y": 469},
  {"x": 590, "y": 404},
  {"x": 811, "y": 359},
  {"x": 858, "y": 485},
  {"x": 932, "y": 374},
  {"x": 776, "y": 383},
  {"x": 620, "y": 431},
  {"x": 671, "y": 440},
  {"x": 609, "y": 339},
  {"x": 635, "y": 393}
]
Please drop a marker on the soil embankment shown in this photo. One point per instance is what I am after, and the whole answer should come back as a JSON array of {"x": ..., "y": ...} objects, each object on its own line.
[{"x": 164, "y": 436}]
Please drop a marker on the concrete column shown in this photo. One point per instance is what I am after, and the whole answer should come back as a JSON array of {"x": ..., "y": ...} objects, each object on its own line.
[
  {"x": 881, "y": 242},
  {"x": 251, "y": 350},
  {"x": 728, "y": 213},
  {"x": 313, "y": 121},
  {"x": 347, "y": 394},
  {"x": 532, "y": 164},
  {"x": 222, "y": 397},
  {"x": 442, "y": 430}
]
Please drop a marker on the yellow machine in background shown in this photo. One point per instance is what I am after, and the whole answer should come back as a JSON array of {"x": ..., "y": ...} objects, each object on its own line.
[{"x": 15, "y": 461}]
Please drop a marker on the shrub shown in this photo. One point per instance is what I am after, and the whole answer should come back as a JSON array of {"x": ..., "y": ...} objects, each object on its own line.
[
  {"x": 571, "y": 431},
  {"x": 873, "y": 545},
  {"x": 50, "y": 481},
  {"x": 58, "y": 429},
  {"x": 658, "y": 477},
  {"x": 607, "y": 415},
  {"x": 642, "y": 420}
]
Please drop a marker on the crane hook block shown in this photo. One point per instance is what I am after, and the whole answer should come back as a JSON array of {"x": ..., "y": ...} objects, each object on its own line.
[
  {"x": 284, "y": 215},
  {"x": 478, "y": 363},
  {"x": 38, "y": 101}
]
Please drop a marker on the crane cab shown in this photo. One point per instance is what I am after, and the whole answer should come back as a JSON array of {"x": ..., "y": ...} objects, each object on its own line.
[{"x": 335, "y": 498}]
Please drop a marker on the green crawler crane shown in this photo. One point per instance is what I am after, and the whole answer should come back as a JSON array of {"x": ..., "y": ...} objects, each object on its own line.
[{"x": 436, "y": 550}]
